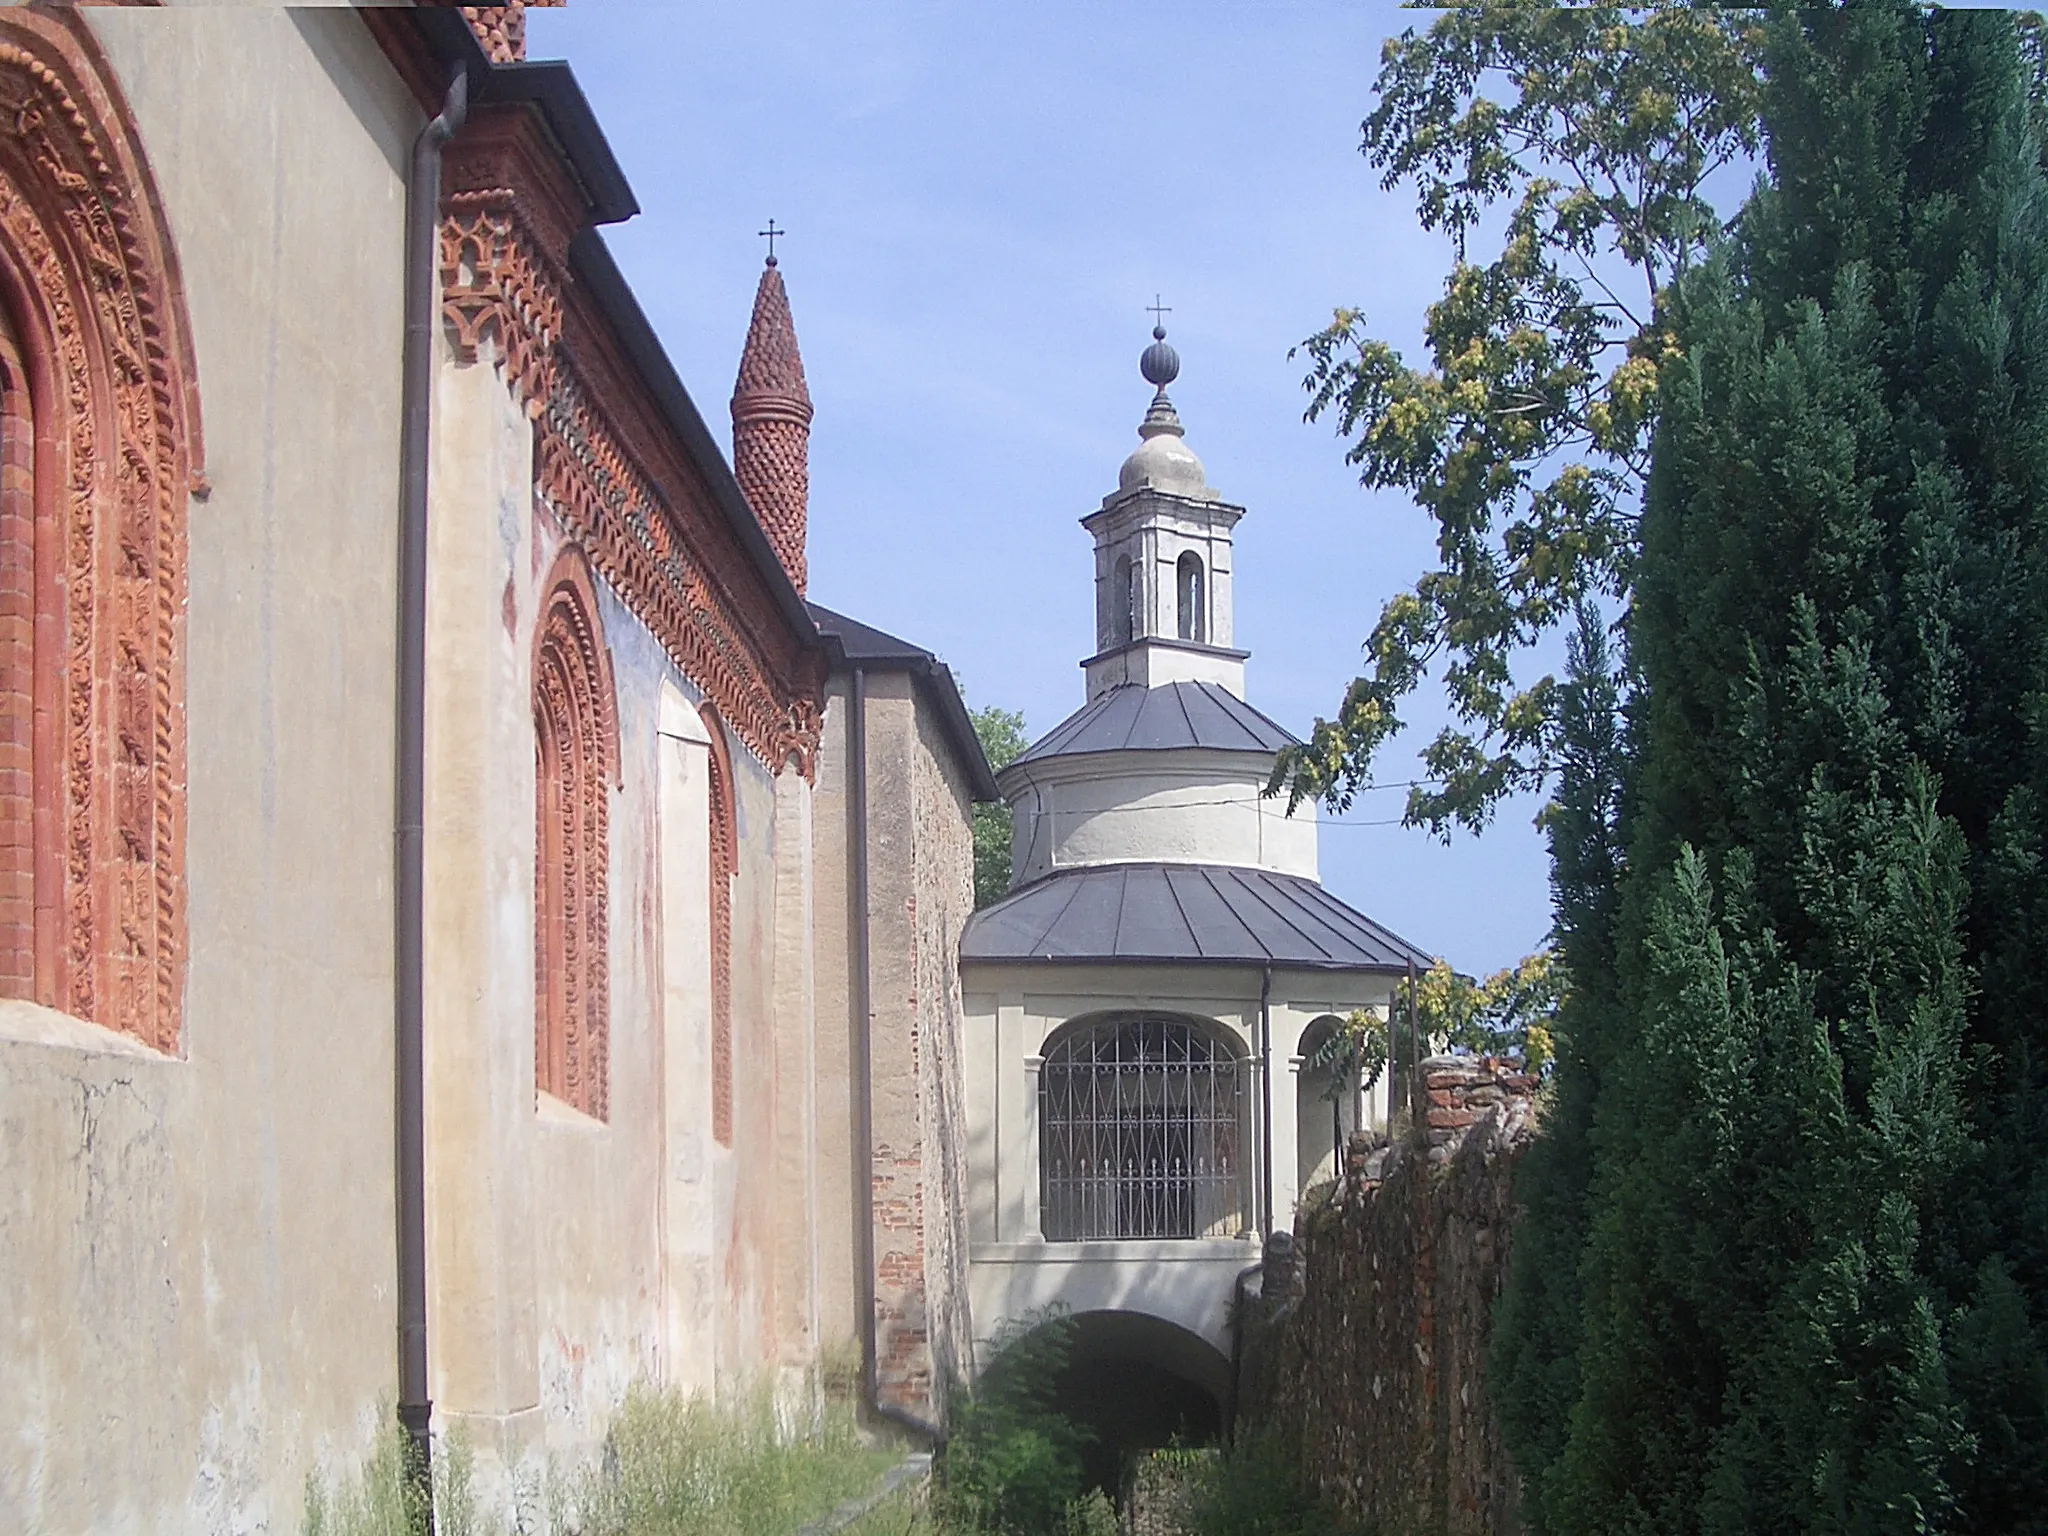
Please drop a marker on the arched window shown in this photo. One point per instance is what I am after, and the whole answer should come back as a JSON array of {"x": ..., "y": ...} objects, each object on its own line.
[
  {"x": 1188, "y": 571},
  {"x": 575, "y": 763},
  {"x": 1138, "y": 1132},
  {"x": 725, "y": 864},
  {"x": 1123, "y": 600},
  {"x": 99, "y": 453},
  {"x": 1325, "y": 1104}
]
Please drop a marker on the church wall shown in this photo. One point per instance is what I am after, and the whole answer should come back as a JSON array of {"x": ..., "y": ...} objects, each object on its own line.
[
  {"x": 944, "y": 899},
  {"x": 196, "y": 1250},
  {"x": 841, "y": 1174},
  {"x": 921, "y": 888},
  {"x": 571, "y": 1256}
]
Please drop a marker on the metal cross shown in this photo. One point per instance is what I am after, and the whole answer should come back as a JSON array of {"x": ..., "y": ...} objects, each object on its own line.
[
  {"x": 1159, "y": 311},
  {"x": 771, "y": 232}
]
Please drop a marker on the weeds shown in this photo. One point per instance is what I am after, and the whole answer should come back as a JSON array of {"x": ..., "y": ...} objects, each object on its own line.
[
  {"x": 382, "y": 1500},
  {"x": 684, "y": 1467},
  {"x": 672, "y": 1465}
]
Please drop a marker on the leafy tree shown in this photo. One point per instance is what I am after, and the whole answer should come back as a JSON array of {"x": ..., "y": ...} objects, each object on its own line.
[
  {"x": 1001, "y": 732},
  {"x": 1509, "y": 1013},
  {"x": 1782, "y": 1264},
  {"x": 1593, "y": 130}
]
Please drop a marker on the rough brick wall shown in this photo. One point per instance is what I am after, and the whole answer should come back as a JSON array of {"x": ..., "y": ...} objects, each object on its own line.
[
  {"x": 924, "y": 1333},
  {"x": 1378, "y": 1372}
]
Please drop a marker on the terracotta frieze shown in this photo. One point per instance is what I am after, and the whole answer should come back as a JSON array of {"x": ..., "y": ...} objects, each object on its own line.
[
  {"x": 87, "y": 266},
  {"x": 606, "y": 470}
]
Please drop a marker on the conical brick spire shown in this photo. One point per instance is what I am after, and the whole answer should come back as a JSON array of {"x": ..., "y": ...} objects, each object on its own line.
[{"x": 771, "y": 426}]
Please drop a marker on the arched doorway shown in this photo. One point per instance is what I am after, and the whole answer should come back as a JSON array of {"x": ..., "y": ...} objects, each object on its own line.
[{"x": 1136, "y": 1383}]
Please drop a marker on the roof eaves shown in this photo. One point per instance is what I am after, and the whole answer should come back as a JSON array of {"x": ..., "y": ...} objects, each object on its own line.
[{"x": 932, "y": 674}]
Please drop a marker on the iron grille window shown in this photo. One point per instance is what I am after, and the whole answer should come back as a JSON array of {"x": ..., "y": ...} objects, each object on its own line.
[{"x": 1138, "y": 1120}]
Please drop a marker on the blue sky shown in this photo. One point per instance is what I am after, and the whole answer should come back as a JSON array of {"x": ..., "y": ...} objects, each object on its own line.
[{"x": 981, "y": 202}]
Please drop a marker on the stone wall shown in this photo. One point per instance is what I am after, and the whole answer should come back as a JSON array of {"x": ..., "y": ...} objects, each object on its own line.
[{"x": 1376, "y": 1368}]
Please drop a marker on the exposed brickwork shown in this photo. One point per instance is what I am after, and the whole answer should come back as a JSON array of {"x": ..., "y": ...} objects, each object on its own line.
[
  {"x": 924, "y": 1333},
  {"x": 771, "y": 426},
  {"x": 725, "y": 864},
  {"x": 607, "y": 465},
  {"x": 1378, "y": 1371},
  {"x": 576, "y": 763},
  {"x": 90, "y": 281}
]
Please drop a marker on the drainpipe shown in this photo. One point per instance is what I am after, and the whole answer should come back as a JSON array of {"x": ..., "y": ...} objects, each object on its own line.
[
  {"x": 863, "y": 1057},
  {"x": 422, "y": 220},
  {"x": 1266, "y": 1109}
]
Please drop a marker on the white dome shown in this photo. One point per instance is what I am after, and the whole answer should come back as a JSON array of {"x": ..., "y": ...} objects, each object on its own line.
[{"x": 1167, "y": 464}]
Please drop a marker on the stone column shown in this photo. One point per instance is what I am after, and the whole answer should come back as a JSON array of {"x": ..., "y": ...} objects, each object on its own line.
[{"x": 1030, "y": 1180}]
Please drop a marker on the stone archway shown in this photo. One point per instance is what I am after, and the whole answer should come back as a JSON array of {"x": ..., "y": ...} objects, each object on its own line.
[{"x": 1139, "y": 1382}]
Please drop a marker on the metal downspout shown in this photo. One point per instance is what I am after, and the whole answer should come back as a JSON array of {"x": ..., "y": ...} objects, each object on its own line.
[
  {"x": 1266, "y": 1108},
  {"x": 863, "y": 1062},
  {"x": 422, "y": 220}
]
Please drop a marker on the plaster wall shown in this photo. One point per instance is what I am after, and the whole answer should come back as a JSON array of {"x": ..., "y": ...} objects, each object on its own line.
[
  {"x": 1156, "y": 807},
  {"x": 920, "y": 855},
  {"x": 843, "y": 1171},
  {"x": 196, "y": 1251},
  {"x": 1155, "y": 663},
  {"x": 1153, "y": 530},
  {"x": 1011, "y": 1013},
  {"x": 571, "y": 1257}
]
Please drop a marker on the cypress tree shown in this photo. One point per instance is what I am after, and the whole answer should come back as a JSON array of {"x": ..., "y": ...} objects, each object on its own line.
[{"x": 1784, "y": 1265}]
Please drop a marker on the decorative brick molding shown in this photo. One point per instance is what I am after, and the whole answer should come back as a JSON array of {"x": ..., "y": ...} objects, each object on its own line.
[
  {"x": 576, "y": 767},
  {"x": 502, "y": 28},
  {"x": 606, "y": 463},
  {"x": 725, "y": 864},
  {"x": 97, "y": 520},
  {"x": 771, "y": 426}
]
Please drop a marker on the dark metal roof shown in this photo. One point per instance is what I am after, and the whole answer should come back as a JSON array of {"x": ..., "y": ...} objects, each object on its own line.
[
  {"x": 1134, "y": 718},
  {"x": 1212, "y": 914},
  {"x": 859, "y": 645}
]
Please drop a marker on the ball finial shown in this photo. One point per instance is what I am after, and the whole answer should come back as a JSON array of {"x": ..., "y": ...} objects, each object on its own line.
[{"x": 1160, "y": 364}]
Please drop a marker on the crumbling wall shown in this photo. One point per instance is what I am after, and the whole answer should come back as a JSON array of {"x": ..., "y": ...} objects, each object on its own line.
[{"x": 1375, "y": 1368}]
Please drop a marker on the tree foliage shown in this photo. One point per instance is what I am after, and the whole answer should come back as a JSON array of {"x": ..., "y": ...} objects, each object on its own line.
[
  {"x": 1782, "y": 1260},
  {"x": 1587, "y": 135},
  {"x": 1001, "y": 732}
]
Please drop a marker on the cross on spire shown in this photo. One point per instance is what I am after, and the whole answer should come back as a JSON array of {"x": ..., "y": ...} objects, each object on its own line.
[
  {"x": 770, "y": 233},
  {"x": 1159, "y": 313}
]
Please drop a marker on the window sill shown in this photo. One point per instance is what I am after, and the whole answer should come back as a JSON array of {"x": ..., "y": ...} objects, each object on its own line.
[
  {"x": 551, "y": 1111},
  {"x": 1151, "y": 1250},
  {"x": 25, "y": 1023}
]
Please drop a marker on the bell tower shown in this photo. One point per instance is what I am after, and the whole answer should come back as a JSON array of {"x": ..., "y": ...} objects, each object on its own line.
[{"x": 1162, "y": 558}]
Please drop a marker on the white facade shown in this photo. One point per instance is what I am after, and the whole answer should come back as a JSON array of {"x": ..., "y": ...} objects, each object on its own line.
[{"x": 1139, "y": 1120}]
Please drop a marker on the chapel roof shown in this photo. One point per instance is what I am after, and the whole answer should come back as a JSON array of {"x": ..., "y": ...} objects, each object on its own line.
[
  {"x": 863, "y": 647},
  {"x": 1184, "y": 914},
  {"x": 1173, "y": 716}
]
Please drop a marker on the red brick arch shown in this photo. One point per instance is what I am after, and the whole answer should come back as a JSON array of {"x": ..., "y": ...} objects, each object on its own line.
[
  {"x": 725, "y": 864},
  {"x": 99, "y": 453},
  {"x": 576, "y": 765}
]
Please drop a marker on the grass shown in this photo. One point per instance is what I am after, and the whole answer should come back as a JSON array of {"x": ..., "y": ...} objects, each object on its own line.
[
  {"x": 684, "y": 1467},
  {"x": 672, "y": 1465}
]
